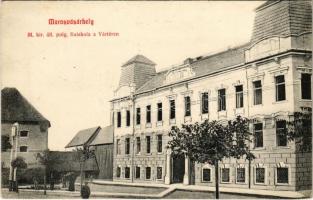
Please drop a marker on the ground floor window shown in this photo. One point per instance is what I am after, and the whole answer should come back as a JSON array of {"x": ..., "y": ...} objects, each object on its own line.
[
  {"x": 118, "y": 172},
  {"x": 137, "y": 172},
  {"x": 127, "y": 172},
  {"x": 282, "y": 175},
  {"x": 159, "y": 172},
  {"x": 225, "y": 175},
  {"x": 148, "y": 172},
  {"x": 260, "y": 175},
  {"x": 241, "y": 175},
  {"x": 206, "y": 175}
]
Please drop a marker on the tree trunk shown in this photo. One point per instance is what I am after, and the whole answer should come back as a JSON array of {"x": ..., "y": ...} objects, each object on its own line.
[
  {"x": 81, "y": 176},
  {"x": 45, "y": 182},
  {"x": 249, "y": 173},
  {"x": 217, "y": 192}
]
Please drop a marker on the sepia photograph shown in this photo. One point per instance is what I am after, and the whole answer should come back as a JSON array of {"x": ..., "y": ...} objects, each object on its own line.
[{"x": 156, "y": 99}]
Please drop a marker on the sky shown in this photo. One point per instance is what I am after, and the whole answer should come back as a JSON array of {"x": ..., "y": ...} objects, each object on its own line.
[{"x": 71, "y": 80}]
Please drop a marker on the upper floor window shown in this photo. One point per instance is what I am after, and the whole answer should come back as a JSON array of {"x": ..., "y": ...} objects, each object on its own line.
[
  {"x": 148, "y": 114},
  {"x": 306, "y": 86},
  {"x": 119, "y": 119},
  {"x": 127, "y": 145},
  {"x": 127, "y": 118},
  {"x": 148, "y": 144},
  {"x": 138, "y": 145},
  {"x": 258, "y": 135},
  {"x": 138, "y": 116},
  {"x": 172, "y": 109},
  {"x": 239, "y": 96},
  {"x": 23, "y": 148},
  {"x": 221, "y": 99},
  {"x": 205, "y": 103},
  {"x": 281, "y": 135},
  {"x": 159, "y": 147},
  {"x": 24, "y": 134},
  {"x": 280, "y": 88},
  {"x": 118, "y": 146},
  {"x": 160, "y": 115},
  {"x": 257, "y": 92},
  {"x": 187, "y": 106}
]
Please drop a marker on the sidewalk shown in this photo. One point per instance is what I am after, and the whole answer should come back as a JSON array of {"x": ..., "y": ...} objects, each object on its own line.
[{"x": 173, "y": 187}]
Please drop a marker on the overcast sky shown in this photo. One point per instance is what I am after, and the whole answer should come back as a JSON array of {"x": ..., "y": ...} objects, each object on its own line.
[{"x": 70, "y": 80}]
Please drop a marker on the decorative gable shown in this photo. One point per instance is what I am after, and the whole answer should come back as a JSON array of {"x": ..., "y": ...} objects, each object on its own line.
[{"x": 177, "y": 74}]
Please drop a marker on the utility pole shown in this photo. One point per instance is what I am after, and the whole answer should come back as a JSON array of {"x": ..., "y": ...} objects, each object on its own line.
[{"x": 13, "y": 133}]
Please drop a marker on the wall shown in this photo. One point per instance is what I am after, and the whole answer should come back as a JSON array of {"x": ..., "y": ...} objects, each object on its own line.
[{"x": 37, "y": 141}]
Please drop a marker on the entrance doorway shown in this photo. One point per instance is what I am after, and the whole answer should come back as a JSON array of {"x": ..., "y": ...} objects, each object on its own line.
[{"x": 178, "y": 168}]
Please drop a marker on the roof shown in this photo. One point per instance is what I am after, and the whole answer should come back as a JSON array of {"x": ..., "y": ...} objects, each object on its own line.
[
  {"x": 68, "y": 161},
  {"x": 282, "y": 18},
  {"x": 139, "y": 59},
  {"x": 16, "y": 108},
  {"x": 105, "y": 136},
  {"x": 83, "y": 137},
  {"x": 203, "y": 66}
]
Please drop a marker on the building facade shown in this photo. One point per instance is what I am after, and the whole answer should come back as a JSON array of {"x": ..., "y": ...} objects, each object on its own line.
[
  {"x": 32, "y": 127},
  {"x": 266, "y": 79}
]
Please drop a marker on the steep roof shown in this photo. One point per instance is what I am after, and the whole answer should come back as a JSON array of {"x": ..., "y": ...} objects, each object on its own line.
[
  {"x": 281, "y": 18},
  {"x": 83, "y": 137},
  {"x": 105, "y": 136},
  {"x": 139, "y": 59},
  {"x": 15, "y": 108},
  {"x": 202, "y": 66}
]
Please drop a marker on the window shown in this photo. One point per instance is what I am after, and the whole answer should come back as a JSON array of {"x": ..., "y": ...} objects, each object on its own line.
[
  {"x": 206, "y": 175},
  {"x": 205, "y": 103},
  {"x": 221, "y": 100},
  {"x": 127, "y": 172},
  {"x": 280, "y": 88},
  {"x": 118, "y": 146},
  {"x": 23, "y": 148},
  {"x": 257, "y": 90},
  {"x": 225, "y": 174},
  {"x": 127, "y": 145},
  {"x": 172, "y": 109},
  {"x": 160, "y": 115},
  {"x": 127, "y": 118},
  {"x": 260, "y": 175},
  {"x": 159, "y": 147},
  {"x": 119, "y": 119},
  {"x": 187, "y": 106},
  {"x": 306, "y": 86},
  {"x": 118, "y": 172},
  {"x": 148, "y": 172},
  {"x": 148, "y": 114},
  {"x": 258, "y": 135},
  {"x": 241, "y": 175},
  {"x": 159, "y": 172},
  {"x": 282, "y": 175},
  {"x": 138, "y": 145},
  {"x": 239, "y": 96},
  {"x": 138, "y": 116},
  {"x": 137, "y": 175},
  {"x": 24, "y": 134},
  {"x": 281, "y": 136},
  {"x": 148, "y": 142}
]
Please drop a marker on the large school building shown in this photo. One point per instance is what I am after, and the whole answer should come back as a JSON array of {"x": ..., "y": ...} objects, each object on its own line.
[{"x": 266, "y": 79}]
